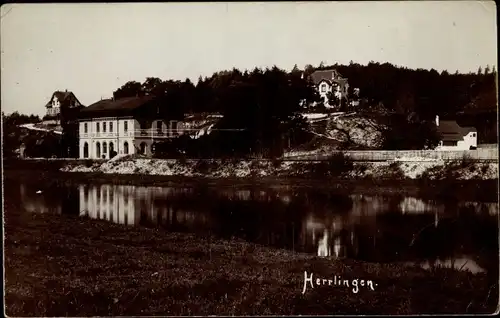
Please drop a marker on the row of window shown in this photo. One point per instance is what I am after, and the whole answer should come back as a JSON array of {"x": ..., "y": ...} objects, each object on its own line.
[
  {"x": 104, "y": 149},
  {"x": 159, "y": 126},
  {"x": 98, "y": 127}
]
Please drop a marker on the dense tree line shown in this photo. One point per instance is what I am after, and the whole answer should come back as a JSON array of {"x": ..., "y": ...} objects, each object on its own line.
[
  {"x": 425, "y": 92},
  {"x": 396, "y": 89},
  {"x": 260, "y": 106}
]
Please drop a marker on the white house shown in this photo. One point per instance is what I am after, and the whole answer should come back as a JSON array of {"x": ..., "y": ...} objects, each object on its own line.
[
  {"x": 330, "y": 80},
  {"x": 125, "y": 126},
  {"x": 59, "y": 100},
  {"x": 455, "y": 137}
]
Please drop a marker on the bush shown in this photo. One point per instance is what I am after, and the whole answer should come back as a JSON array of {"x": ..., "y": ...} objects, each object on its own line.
[
  {"x": 484, "y": 169},
  {"x": 394, "y": 165},
  {"x": 235, "y": 161},
  {"x": 202, "y": 166},
  {"x": 466, "y": 161},
  {"x": 338, "y": 163},
  {"x": 277, "y": 162},
  {"x": 88, "y": 163},
  {"x": 182, "y": 160}
]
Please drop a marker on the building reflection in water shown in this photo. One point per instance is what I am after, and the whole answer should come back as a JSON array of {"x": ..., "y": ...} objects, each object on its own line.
[
  {"x": 109, "y": 202},
  {"x": 372, "y": 224},
  {"x": 131, "y": 205},
  {"x": 459, "y": 263},
  {"x": 372, "y": 228}
]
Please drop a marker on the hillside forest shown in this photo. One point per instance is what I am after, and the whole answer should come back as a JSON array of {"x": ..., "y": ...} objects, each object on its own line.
[{"x": 261, "y": 107}]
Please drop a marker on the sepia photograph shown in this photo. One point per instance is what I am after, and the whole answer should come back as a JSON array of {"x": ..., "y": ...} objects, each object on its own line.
[{"x": 250, "y": 158}]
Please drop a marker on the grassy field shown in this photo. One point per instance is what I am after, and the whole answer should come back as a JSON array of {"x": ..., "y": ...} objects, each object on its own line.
[{"x": 65, "y": 266}]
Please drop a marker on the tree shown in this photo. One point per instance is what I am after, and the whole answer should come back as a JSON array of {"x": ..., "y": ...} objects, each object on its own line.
[
  {"x": 487, "y": 70},
  {"x": 153, "y": 86},
  {"x": 405, "y": 132},
  {"x": 308, "y": 70},
  {"x": 295, "y": 70},
  {"x": 129, "y": 89},
  {"x": 333, "y": 100}
]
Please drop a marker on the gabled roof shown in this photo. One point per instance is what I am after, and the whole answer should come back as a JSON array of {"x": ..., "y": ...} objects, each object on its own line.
[
  {"x": 62, "y": 97},
  {"x": 330, "y": 75},
  {"x": 451, "y": 131},
  {"x": 119, "y": 107}
]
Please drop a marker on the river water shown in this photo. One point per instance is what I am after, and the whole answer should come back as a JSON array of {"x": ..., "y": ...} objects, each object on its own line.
[{"x": 371, "y": 228}]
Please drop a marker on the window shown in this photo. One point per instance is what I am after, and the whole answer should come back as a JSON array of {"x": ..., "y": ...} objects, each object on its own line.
[
  {"x": 473, "y": 134},
  {"x": 98, "y": 150},
  {"x": 174, "y": 128},
  {"x": 112, "y": 196},
  {"x": 85, "y": 128},
  {"x": 143, "y": 148},
  {"x": 110, "y": 126},
  {"x": 85, "y": 150},
  {"x": 125, "y": 147},
  {"x": 323, "y": 88},
  {"x": 104, "y": 127},
  {"x": 125, "y": 126},
  {"x": 97, "y": 127},
  {"x": 449, "y": 143},
  {"x": 104, "y": 147}
]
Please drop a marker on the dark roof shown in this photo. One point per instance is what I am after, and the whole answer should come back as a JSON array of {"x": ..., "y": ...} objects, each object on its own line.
[
  {"x": 111, "y": 107},
  {"x": 61, "y": 96},
  {"x": 451, "y": 131},
  {"x": 327, "y": 75}
]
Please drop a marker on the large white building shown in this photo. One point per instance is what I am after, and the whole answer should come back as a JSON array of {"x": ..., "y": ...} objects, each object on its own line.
[{"x": 125, "y": 126}]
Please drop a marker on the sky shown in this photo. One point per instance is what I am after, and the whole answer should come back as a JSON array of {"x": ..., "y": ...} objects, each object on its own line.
[{"x": 92, "y": 49}]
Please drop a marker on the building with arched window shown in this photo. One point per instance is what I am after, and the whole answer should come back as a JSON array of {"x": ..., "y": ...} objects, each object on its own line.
[
  {"x": 331, "y": 82},
  {"x": 126, "y": 126}
]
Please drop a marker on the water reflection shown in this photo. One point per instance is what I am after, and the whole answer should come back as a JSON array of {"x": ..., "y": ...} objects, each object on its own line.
[
  {"x": 131, "y": 205},
  {"x": 460, "y": 263},
  {"x": 371, "y": 228}
]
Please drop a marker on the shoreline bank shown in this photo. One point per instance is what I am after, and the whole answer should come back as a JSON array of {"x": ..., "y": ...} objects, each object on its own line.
[
  {"x": 84, "y": 267},
  {"x": 470, "y": 190}
]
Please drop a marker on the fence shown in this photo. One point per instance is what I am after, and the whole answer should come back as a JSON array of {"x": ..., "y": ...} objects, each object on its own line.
[
  {"x": 487, "y": 154},
  {"x": 489, "y": 146}
]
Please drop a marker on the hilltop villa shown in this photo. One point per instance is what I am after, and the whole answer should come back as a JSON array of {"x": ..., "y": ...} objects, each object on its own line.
[
  {"x": 125, "y": 126},
  {"x": 61, "y": 100},
  {"x": 330, "y": 80},
  {"x": 455, "y": 137}
]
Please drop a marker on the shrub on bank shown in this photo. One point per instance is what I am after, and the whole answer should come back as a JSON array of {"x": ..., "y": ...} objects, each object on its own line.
[
  {"x": 336, "y": 165},
  {"x": 466, "y": 161},
  {"x": 339, "y": 163},
  {"x": 205, "y": 166},
  {"x": 395, "y": 171},
  {"x": 277, "y": 162}
]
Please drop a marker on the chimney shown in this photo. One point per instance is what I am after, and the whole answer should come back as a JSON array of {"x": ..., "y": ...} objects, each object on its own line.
[{"x": 437, "y": 120}]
